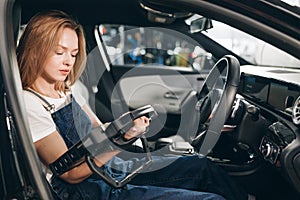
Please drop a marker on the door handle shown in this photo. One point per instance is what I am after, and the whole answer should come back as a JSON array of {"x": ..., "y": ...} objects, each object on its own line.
[{"x": 170, "y": 95}]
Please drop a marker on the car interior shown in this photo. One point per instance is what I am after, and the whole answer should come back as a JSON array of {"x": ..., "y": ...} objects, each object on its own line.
[{"x": 236, "y": 110}]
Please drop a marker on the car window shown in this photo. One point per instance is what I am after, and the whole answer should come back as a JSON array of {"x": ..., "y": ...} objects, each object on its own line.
[{"x": 140, "y": 46}]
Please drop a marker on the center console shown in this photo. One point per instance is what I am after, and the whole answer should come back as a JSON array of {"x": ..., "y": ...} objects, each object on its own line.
[{"x": 277, "y": 138}]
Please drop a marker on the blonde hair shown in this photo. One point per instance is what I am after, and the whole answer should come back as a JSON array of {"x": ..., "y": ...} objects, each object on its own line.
[{"x": 40, "y": 36}]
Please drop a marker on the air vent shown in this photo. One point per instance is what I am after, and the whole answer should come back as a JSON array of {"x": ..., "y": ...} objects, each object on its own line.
[{"x": 296, "y": 111}]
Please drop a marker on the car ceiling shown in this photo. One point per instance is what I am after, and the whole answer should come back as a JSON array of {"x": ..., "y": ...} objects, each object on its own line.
[
  {"x": 90, "y": 11},
  {"x": 109, "y": 11},
  {"x": 96, "y": 11}
]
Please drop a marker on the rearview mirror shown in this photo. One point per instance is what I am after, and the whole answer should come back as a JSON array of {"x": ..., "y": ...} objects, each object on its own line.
[
  {"x": 160, "y": 13},
  {"x": 199, "y": 23}
]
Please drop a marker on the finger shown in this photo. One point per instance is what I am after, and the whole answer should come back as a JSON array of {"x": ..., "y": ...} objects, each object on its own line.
[
  {"x": 131, "y": 133},
  {"x": 144, "y": 120}
]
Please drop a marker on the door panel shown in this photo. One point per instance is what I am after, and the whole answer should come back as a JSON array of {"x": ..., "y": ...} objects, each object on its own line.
[
  {"x": 156, "y": 89},
  {"x": 164, "y": 89}
]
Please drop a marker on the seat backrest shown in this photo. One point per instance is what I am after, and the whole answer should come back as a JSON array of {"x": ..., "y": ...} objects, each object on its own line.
[{"x": 99, "y": 80}]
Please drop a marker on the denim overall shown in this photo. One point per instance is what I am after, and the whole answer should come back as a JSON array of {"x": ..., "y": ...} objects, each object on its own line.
[{"x": 182, "y": 178}]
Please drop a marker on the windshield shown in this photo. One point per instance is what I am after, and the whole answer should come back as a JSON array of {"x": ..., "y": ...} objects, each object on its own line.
[
  {"x": 250, "y": 48},
  {"x": 292, "y": 2}
]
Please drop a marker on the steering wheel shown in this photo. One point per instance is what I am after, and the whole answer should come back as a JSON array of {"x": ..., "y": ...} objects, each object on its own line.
[{"x": 214, "y": 103}]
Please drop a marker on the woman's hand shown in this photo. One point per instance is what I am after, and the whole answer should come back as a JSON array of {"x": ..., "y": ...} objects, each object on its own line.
[{"x": 140, "y": 125}]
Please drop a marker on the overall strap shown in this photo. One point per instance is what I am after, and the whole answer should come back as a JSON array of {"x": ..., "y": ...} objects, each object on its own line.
[{"x": 49, "y": 107}]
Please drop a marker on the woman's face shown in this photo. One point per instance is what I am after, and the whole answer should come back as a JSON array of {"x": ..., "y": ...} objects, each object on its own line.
[{"x": 62, "y": 58}]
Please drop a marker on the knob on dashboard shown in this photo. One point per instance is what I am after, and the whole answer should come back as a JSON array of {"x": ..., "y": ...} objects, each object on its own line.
[{"x": 267, "y": 151}]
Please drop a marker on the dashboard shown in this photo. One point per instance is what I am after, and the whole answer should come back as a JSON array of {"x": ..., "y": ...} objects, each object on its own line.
[
  {"x": 276, "y": 94},
  {"x": 277, "y": 90},
  {"x": 269, "y": 92}
]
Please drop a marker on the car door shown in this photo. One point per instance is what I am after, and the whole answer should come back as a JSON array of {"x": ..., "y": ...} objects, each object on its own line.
[{"x": 157, "y": 66}]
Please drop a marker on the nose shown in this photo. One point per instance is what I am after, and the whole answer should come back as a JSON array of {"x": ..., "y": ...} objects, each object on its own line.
[{"x": 69, "y": 60}]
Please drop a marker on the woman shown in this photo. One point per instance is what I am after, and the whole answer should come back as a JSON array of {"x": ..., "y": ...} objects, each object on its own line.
[{"x": 51, "y": 56}]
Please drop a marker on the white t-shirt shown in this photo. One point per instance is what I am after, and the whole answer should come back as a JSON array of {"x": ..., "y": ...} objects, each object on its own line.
[{"x": 40, "y": 121}]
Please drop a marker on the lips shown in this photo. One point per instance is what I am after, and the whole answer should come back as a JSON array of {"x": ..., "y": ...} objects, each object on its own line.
[{"x": 64, "y": 71}]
